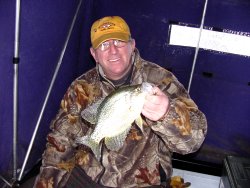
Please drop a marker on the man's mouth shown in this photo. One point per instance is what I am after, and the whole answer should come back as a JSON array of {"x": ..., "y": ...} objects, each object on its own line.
[{"x": 114, "y": 60}]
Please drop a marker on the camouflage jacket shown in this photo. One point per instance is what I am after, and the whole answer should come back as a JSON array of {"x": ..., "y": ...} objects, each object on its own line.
[{"x": 137, "y": 163}]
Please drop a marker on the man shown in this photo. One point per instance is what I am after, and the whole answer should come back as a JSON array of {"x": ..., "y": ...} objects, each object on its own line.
[{"x": 172, "y": 121}]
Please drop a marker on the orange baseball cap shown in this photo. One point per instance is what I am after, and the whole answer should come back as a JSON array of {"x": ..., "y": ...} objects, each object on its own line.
[{"x": 110, "y": 27}]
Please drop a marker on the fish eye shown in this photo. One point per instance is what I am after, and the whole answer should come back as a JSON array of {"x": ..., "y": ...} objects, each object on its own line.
[{"x": 138, "y": 89}]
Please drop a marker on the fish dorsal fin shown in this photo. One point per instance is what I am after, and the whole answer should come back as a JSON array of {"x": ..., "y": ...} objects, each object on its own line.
[
  {"x": 89, "y": 113},
  {"x": 115, "y": 143},
  {"x": 139, "y": 123}
]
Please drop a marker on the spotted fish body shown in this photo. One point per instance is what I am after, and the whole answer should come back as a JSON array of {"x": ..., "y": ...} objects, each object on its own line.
[{"x": 114, "y": 116}]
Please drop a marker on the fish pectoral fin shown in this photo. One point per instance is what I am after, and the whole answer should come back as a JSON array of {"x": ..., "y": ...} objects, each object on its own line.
[
  {"x": 94, "y": 146},
  {"x": 139, "y": 123},
  {"x": 116, "y": 143},
  {"x": 97, "y": 150}
]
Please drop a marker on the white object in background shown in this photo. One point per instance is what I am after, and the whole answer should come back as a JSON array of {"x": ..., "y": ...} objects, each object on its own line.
[
  {"x": 211, "y": 40},
  {"x": 198, "y": 180}
]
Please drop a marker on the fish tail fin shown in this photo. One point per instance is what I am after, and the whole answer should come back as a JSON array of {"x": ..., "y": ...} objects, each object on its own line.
[{"x": 94, "y": 146}]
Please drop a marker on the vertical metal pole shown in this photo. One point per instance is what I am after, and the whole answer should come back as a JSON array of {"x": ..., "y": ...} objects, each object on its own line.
[
  {"x": 48, "y": 92},
  {"x": 198, "y": 45},
  {"x": 15, "y": 89},
  {"x": 15, "y": 94}
]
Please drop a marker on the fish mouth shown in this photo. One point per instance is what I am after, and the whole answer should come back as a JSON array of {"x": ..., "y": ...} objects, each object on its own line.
[{"x": 147, "y": 87}]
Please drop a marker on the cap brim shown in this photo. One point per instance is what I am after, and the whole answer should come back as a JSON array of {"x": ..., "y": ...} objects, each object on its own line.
[{"x": 108, "y": 36}]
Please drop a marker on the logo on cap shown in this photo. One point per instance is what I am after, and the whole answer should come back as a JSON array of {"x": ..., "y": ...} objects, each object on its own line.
[{"x": 105, "y": 26}]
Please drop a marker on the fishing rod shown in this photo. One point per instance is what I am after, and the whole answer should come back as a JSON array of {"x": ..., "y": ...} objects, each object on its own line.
[{"x": 198, "y": 46}]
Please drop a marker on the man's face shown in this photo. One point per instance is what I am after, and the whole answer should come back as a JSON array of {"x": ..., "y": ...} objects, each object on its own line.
[{"x": 115, "y": 61}]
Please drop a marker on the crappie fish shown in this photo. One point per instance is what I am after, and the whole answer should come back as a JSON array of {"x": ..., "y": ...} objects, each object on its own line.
[{"x": 113, "y": 117}]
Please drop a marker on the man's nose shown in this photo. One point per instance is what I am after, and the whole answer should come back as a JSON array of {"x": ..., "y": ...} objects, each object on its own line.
[{"x": 113, "y": 48}]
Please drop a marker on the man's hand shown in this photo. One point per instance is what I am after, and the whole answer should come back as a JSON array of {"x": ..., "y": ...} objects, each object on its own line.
[{"x": 156, "y": 105}]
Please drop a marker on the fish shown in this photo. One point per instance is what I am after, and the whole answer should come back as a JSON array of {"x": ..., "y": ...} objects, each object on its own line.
[{"x": 113, "y": 117}]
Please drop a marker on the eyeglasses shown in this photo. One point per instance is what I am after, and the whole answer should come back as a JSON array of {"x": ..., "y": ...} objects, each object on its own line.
[{"x": 106, "y": 45}]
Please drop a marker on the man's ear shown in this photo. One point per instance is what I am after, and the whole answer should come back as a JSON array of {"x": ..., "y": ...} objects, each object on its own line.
[
  {"x": 133, "y": 44},
  {"x": 92, "y": 51}
]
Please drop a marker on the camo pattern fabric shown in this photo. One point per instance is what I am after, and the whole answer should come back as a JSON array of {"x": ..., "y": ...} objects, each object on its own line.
[{"x": 138, "y": 162}]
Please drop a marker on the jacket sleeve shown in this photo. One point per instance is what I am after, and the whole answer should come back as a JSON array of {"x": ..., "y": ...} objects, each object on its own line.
[
  {"x": 60, "y": 156},
  {"x": 184, "y": 126}
]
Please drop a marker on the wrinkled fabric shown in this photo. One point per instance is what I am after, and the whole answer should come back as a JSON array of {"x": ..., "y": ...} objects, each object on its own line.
[{"x": 138, "y": 162}]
